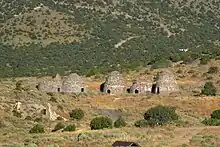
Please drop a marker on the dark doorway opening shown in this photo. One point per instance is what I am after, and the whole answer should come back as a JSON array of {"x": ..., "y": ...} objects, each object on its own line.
[
  {"x": 153, "y": 89},
  {"x": 108, "y": 91},
  {"x": 136, "y": 91},
  {"x": 43, "y": 111},
  {"x": 102, "y": 86},
  {"x": 82, "y": 89},
  {"x": 37, "y": 87},
  {"x": 128, "y": 90},
  {"x": 58, "y": 89},
  {"x": 158, "y": 90}
]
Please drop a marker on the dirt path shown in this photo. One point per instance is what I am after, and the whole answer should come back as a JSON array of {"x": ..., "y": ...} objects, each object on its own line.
[{"x": 183, "y": 135}]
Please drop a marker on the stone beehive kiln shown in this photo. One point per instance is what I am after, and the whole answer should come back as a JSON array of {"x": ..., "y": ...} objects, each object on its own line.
[
  {"x": 73, "y": 84},
  {"x": 51, "y": 85},
  {"x": 141, "y": 86},
  {"x": 166, "y": 82},
  {"x": 115, "y": 83}
]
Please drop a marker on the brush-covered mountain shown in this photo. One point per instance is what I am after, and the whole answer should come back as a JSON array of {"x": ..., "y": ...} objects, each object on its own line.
[{"x": 41, "y": 37}]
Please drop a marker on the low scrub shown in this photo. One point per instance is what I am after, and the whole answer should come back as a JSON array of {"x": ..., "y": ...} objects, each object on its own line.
[
  {"x": 119, "y": 123},
  {"x": 214, "y": 120},
  {"x": 37, "y": 129},
  {"x": 216, "y": 114},
  {"x": 213, "y": 70},
  {"x": 141, "y": 123},
  {"x": 101, "y": 123},
  {"x": 209, "y": 89},
  {"x": 69, "y": 128},
  {"x": 211, "y": 122}
]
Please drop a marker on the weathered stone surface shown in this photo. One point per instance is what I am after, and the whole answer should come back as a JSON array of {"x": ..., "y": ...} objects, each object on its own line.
[
  {"x": 73, "y": 84},
  {"x": 53, "y": 85},
  {"x": 115, "y": 83},
  {"x": 167, "y": 82},
  {"x": 141, "y": 86}
]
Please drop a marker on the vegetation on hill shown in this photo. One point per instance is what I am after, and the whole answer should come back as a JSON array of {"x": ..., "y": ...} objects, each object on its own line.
[{"x": 46, "y": 37}]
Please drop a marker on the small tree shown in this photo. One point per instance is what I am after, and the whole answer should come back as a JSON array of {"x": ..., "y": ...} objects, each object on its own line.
[
  {"x": 77, "y": 114},
  {"x": 119, "y": 123},
  {"x": 209, "y": 89},
  {"x": 160, "y": 115},
  {"x": 69, "y": 128},
  {"x": 37, "y": 129},
  {"x": 101, "y": 123}
]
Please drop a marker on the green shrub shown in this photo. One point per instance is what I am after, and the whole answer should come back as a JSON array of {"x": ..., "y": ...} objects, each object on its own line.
[
  {"x": 209, "y": 89},
  {"x": 58, "y": 126},
  {"x": 141, "y": 123},
  {"x": 216, "y": 114},
  {"x": 37, "y": 129},
  {"x": 77, "y": 114},
  {"x": 69, "y": 128},
  {"x": 119, "y": 123},
  {"x": 100, "y": 123},
  {"x": 213, "y": 69},
  {"x": 160, "y": 115},
  {"x": 211, "y": 122}
]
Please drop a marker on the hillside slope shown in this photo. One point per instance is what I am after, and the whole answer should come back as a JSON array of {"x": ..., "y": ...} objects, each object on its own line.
[{"x": 43, "y": 37}]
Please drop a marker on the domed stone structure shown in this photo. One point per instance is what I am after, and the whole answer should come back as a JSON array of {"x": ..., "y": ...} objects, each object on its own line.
[
  {"x": 53, "y": 85},
  {"x": 141, "y": 87},
  {"x": 114, "y": 84},
  {"x": 73, "y": 84},
  {"x": 166, "y": 83}
]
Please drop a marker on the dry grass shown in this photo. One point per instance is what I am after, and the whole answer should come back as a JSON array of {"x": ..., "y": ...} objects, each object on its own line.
[{"x": 188, "y": 131}]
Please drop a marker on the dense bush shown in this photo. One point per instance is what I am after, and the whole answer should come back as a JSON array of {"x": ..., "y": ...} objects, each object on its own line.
[
  {"x": 216, "y": 114},
  {"x": 69, "y": 128},
  {"x": 100, "y": 123},
  {"x": 120, "y": 122},
  {"x": 77, "y": 114},
  {"x": 213, "y": 69},
  {"x": 209, "y": 89},
  {"x": 160, "y": 115},
  {"x": 37, "y": 129},
  {"x": 58, "y": 126}
]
